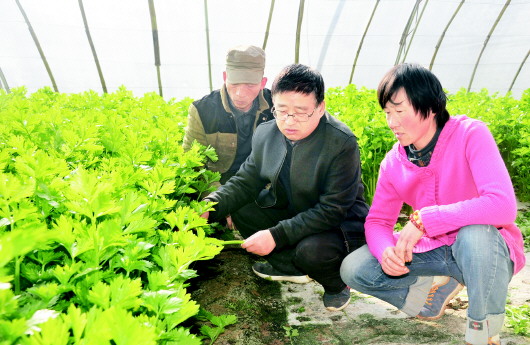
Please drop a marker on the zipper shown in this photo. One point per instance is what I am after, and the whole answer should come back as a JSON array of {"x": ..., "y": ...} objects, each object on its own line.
[{"x": 275, "y": 182}]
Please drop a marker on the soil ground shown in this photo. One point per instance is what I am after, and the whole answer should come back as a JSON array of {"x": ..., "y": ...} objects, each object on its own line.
[{"x": 275, "y": 313}]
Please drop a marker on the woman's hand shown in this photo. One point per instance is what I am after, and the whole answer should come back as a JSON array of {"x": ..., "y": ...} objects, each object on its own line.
[
  {"x": 408, "y": 237},
  {"x": 394, "y": 258},
  {"x": 392, "y": 264}
]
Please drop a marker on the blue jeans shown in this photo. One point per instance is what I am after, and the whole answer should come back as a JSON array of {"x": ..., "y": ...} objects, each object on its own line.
[{"x": 479, "y": 259}]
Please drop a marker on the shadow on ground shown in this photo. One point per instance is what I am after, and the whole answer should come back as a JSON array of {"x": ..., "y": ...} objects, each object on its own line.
[{"x": 275, "y": 313}]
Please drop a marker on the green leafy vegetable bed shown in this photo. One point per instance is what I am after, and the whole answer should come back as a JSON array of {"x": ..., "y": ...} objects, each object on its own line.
[{"x": 99, "y": 218}]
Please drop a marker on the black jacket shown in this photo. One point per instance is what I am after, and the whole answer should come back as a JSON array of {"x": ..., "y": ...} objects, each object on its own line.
[{"x": 326, "y": 186}]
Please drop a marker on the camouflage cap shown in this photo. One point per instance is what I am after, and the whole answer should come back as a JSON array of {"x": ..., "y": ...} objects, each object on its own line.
[{"x": 245, "y": 65}]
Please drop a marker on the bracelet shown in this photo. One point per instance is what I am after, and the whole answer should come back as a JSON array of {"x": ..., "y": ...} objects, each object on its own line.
[{"x": 415, "y": 219}]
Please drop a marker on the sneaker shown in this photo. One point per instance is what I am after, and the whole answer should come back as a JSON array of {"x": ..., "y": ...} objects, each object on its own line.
[
  {"x": 266, "y": 271},
  {"x": 441, "y": 293},
  {"x": 495, "y": 340},
  {"x": 338, "y": 301}
]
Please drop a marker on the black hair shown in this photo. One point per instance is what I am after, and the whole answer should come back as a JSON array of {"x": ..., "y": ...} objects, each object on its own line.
[
  {"x": 301, "y": 79},
  {"x": 423, "y": 89}
]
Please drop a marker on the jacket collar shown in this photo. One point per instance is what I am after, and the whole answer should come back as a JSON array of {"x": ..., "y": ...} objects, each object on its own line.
[{"x": 445, "y": 135}]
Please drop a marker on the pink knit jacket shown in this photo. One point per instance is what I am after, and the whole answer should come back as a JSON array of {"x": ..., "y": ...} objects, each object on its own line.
[{"x": 465, "y": 183}]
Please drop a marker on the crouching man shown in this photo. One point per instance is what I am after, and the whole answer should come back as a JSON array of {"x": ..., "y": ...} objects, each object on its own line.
[{"x": 304, "y": 174}]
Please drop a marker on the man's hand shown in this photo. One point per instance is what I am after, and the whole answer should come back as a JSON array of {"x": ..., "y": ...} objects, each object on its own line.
[
  {"x": 261, "y": 243},
  {"x": 205, "y": 215},
  {"x": 392, "y": 264},
  {"x": 408, "y": 237},
  {"x": 229, "y": 224}
]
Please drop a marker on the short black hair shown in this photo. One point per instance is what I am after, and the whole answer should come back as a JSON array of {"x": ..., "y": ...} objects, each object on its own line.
[
  {"x": 301, "y": 79},
  {"x": 423, "y": 89}
]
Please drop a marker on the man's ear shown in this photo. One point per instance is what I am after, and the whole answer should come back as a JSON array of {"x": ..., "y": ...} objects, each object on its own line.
[
  {"x": 224, "y": 76},
  {"x": 322, "y": 106},
  {"x": 263, "y": 83}
]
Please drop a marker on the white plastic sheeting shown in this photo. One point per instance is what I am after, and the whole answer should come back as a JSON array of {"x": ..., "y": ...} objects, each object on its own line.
[{"x": 46, "y": 43}]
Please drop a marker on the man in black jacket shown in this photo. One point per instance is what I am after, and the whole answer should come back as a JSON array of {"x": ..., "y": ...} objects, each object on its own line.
[{"x": 304, "y": 174}]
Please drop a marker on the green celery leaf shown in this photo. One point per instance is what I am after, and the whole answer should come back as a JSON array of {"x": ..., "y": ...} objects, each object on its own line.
[
  {"x": 181, "y": 336},
  {"x": 204, "y": 315},
  {"x": 98, "y": 328},
  {"x": 64, "y": 273},
  {"x": 52, "y": 332},
  {"x": 77, "y": 321},
  {"x": 188, "y": 309},
  {"x": 40, "y": 317},
  {"x": 173, "y": 309},
  {"x": 125, "y": 329},
  {"x": 47, "y": 292},
  {"x": 185, "y": 218},
  {"x": 44, "y": 257},
  {"x": 18, "y": 243},
  {"x": 16, "y": 188},
  {"x": 212, "y": 333},
  {"x": 158, "y": 280},
  {"x": 161, "y": 302},
  {"x": 124, "y": 293},
  {"x": 224, "y": 320},
  {"x": 8, "y": 302},
  {"x": 130, "y": 265},
  {"x": 31, "y": 272},
  {"x": 100, "y": 295},
  {"x": 141, "y": 225},
  {"x": 187, "y": 274},
  {"x": 210, "y": 153},
  {"x": 12, "y": 329}
]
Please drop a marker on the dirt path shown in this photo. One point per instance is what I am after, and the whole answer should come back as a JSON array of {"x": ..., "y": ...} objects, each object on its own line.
[
  {"x": 283, "y": 313},
  {"x": 227, "y": 285}
]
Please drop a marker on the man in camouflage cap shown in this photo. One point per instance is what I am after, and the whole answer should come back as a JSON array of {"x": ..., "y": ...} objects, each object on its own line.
[{"x": 226, "y": 118}]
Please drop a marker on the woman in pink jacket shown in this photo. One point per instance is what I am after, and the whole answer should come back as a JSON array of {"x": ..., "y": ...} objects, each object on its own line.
[{"x": 462, "y": 231}]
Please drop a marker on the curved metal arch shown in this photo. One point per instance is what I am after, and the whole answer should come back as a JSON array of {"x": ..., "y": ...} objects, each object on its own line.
[
  {"x": 516, "y": 74},
  {"x": 271, "y": 11},
  {"x": 156, "y": 44},
  {"x": 37, "y": 44},
  {"x": 415, "y": 29},
  {"x": 442, "y": 36},
  {"x": 406, "y": 31},
  {"x": 298, "y": 30},
  {"x": 92, "y": 47},
  {"x": 3, "y": 81},
  {"x": 486, "y": 43},
  {"x": 208, "y": 43},
  {"x": 362, "y": 41}
]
